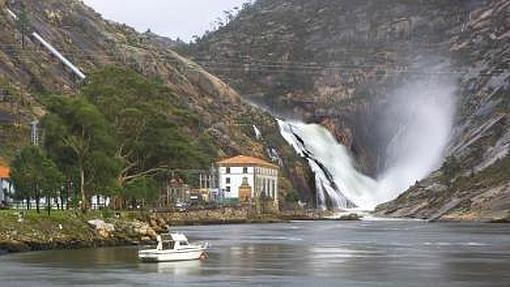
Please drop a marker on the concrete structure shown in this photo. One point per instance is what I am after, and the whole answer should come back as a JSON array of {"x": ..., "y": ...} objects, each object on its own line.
[
  {"x": 241, "y": 176},
  {"x": 75, "y": 70}
]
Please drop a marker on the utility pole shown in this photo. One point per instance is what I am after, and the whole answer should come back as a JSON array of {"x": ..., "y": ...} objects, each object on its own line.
[{"x": 34, "y": 133}]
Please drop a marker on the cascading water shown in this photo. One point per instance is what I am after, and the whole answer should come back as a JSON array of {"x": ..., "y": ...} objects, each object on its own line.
[
  {"x": 421, "y": 116},
  {"x": 335, "y": 175}
]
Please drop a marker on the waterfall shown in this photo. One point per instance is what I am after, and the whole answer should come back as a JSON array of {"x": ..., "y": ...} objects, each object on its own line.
[
  {"x": 258, "y": 134},
  {"x": 335, "y": 175},
  {"x": 418, "y": 117}
]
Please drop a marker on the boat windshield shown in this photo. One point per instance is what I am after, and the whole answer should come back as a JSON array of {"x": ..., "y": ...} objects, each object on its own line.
[{"x": 168, "y": 245}]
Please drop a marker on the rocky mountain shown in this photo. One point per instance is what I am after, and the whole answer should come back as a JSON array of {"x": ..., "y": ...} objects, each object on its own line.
[
  {"x": 474, "y": 181},
  {"x": 92, "y": 43},
  {"x": 337, "y": 63}
]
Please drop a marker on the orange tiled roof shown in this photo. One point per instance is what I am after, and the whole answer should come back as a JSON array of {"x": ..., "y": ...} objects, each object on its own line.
[
  {"x": 246, "y": 160},
  {"x": 4, "y": 172}
]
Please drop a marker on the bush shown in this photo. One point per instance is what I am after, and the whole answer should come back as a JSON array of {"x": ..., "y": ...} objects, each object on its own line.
[{"x": 107, "y": 213}]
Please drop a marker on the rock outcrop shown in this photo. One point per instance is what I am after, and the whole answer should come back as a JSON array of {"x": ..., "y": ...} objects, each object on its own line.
[{"x": 103, "y": 229}]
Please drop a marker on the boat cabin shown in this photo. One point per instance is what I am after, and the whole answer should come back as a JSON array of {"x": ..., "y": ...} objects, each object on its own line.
[{"x": 172, "y": 241}]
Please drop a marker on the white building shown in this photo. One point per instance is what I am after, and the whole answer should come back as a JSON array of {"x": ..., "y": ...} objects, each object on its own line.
[{"x": 259, "y": 177}]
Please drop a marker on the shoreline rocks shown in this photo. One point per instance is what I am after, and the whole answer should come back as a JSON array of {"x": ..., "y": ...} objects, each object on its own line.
[{"x": 103, "y": 230}]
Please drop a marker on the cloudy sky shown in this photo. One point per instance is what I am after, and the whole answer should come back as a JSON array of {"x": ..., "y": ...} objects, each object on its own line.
[{"x": 172, "y": 18}]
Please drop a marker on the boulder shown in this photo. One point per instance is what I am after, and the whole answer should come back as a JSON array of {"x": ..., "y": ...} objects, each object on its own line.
[
  {"x": 103, "y": 229},
  {"x": 143, "y": 229}
]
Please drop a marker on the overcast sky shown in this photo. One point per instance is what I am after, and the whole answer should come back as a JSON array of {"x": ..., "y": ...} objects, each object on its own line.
[{"x": 172, "y": 18}]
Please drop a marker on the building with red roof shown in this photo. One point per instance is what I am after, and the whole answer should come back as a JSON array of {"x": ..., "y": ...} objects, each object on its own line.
[{"x": 244, "y": 178}]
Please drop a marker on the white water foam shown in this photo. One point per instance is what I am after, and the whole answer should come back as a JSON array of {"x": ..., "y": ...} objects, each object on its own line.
[
  {"x": 424, "y": 114},
  {"x": 344, "y": 183}
]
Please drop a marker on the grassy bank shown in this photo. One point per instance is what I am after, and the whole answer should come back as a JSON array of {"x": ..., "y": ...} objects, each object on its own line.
[
  {"x": 61, "y": 229},
  {"x": 70, "y": 229}
]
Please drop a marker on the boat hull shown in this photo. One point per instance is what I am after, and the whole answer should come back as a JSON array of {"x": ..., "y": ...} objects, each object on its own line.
[{"x": 170, "y": 255}]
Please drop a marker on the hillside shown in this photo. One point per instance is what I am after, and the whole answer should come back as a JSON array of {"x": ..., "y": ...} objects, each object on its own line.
[
  {"x": 94, "y": 44},
  {"x": 337, "y": 63}
]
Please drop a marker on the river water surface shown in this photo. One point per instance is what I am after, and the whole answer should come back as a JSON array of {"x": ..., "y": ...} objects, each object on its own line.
[{"x": 367, "y": 253}]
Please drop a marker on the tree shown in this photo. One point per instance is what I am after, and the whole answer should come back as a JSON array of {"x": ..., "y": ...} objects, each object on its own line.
[
  {"x": 23, "y": 23},
  {"x": 451, "y": 167},
  {"x": 23, "y": 176},
  {"x": 52, "y": 183},
  {"x": 143, "y": 191},
  {"x": 103, "y": 175},
  {"x": 34, "y": 175},
  {"x": 77, "y": 134},
  {"x": 146, "y": 117}
]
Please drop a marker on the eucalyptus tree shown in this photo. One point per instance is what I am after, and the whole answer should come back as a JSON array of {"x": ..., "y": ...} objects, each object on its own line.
[
  {"x": 146, "y": 118},
  {"x": 77, "y": 134},
  {"x": 52, "y": 181}
]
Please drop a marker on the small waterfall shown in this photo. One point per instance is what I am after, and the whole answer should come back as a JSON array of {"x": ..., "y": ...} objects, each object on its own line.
[{"x": 258, "y": 134}]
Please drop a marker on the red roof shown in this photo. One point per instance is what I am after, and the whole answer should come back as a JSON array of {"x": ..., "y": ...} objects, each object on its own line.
[
  {"x": 4, "y": 172},
  {"x": 246, "y": 160}
]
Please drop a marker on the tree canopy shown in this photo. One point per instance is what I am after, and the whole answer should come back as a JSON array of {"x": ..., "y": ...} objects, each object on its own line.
[
  {"x": 34, "y": 175},
  {"x": 77, "y": 134},
  {"x": 119, "y": 137},
  {"x": 151, "y": 124}
]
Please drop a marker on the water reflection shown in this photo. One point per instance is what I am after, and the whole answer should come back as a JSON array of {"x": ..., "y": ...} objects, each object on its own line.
[
  {"x": 83, "y": 258},
  {"x": 175, "y": 268},
  {"x": 297, "y": 254}
]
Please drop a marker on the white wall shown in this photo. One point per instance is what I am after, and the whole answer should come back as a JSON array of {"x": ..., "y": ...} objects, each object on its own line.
[
  {"x": 236, "y": 176},
  {"x": 259, "y": 178},
  {"x": 2, "y": 185}
]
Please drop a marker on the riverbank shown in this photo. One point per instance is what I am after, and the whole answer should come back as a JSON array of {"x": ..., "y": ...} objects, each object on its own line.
[
  {"x": 60, "y": 230},
  {"x": 29, "y": 231}
]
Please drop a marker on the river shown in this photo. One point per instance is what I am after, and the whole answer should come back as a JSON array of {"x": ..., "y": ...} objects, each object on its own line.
[{"x": 366, "y": 253}]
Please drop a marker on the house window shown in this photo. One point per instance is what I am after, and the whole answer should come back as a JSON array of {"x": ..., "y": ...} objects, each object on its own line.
[
  {"x": 227, "y": 180},
  {"x": 228, "y": 170},
  {"x": 245, "y": 170},
  {"x": 228, "y": 188}
]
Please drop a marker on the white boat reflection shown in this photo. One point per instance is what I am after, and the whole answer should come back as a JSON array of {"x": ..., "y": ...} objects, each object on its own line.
[{"x": 175, "y": 268}]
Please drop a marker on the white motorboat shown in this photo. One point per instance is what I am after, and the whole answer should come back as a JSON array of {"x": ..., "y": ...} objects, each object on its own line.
[{"x": 173, "y": 247}]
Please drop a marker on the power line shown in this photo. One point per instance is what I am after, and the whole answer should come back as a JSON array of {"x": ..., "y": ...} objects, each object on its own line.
[{"x": 275, "y": 66}]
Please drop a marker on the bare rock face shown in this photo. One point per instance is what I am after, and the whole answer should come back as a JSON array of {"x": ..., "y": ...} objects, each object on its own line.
[
  {"x": 337, "y": 62},
  {"x": 474, "y": 177}
]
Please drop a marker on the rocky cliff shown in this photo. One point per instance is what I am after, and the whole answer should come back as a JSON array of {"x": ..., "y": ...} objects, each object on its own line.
[
  {"x": 337, "y": 63},
  {"x": 90, "y": 43},
  {"x": 474, "y": 181}
]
